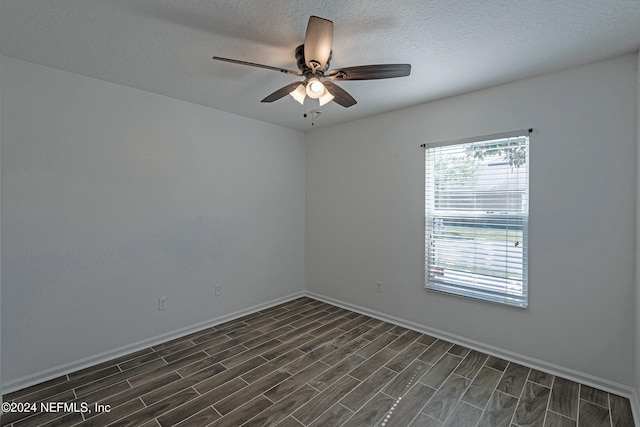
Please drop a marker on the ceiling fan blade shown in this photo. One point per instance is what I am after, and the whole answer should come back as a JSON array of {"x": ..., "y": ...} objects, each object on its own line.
[
  {"x": 283, "y": 91},
  {"x": 253, "y": 64},
  {"x": 370, "y": 72},
  {"x": 341, "y": 96},
  {"x": 317, "y": 42}
]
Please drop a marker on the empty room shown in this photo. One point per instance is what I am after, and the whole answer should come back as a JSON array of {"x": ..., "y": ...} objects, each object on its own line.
[{"x": 304, "y": 213}]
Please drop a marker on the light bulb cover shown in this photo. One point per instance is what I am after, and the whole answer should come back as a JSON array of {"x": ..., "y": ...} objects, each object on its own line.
[
  {"x": 299, "y": 94},
  {"x": 315, "y": 88},
  {"x": 326, "y": 98}
]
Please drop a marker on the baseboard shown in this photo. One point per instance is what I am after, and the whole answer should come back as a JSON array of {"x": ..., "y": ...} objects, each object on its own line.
[
  {"x": 86, "y": 362},
  {"x": 530, "y": 362},
  {"x": 635, "y": 407}
]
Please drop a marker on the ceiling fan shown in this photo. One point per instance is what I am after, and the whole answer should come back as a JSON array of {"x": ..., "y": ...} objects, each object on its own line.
[{"x": 313, "y": 59}]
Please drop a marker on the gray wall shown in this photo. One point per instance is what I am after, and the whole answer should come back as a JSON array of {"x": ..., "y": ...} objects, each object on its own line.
[
  {"x": 365, "y": 217},
  {"x": 637, "y": 299},
  {"x": 1, "y": 387},
  {"x": 113, "y": 197}
]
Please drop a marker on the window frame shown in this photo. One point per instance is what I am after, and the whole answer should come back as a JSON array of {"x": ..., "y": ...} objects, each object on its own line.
[{"x": 470, "y": 290}]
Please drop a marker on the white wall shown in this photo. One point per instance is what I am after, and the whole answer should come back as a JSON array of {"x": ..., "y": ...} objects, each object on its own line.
[
  {"x": 113, "y": 197},
  {"x": 365, "y": 217}
]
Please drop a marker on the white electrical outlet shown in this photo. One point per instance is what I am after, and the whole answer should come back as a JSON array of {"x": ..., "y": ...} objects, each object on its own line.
[
  {"x": 217, "y": 290},
  {"x": 380, "y": 287},
  {"x": 162, "y": 303}
]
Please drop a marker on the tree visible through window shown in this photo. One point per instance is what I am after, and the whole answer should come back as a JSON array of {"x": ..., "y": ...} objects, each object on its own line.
[{"x": 476, "y": 216}]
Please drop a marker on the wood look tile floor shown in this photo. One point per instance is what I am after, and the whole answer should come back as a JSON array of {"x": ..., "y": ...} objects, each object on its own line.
[{"x": 308, "y": 363}]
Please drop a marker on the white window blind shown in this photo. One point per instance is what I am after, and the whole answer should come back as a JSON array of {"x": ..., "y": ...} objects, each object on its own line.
[{"x": 476, "y": 217}]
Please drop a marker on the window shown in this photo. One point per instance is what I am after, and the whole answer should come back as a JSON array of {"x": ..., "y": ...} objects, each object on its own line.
[{"x": 476, "y": 217}]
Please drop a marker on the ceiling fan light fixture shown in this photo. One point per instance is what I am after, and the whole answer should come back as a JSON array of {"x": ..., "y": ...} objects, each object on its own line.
[
  {"x": 313, "y": 58},
  {"x": 315, "y": 88},
  {"x": 299, "y": 94},
  {"x": 326, "y": 98}
]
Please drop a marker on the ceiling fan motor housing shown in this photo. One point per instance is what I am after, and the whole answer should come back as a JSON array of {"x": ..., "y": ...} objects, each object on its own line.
[{"x": 302, "y": 63}]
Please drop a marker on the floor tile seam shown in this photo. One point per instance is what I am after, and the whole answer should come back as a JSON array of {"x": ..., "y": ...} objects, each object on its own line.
[
  {"x": 477, "y": 373},
  {"x": 513, "y": 417},
  {"x": 406, "y": 346},
  {"x": 442, "y": 385},
  {"x": 193, "y": 415},
  {"x": 409, "y": 363},
  {"x": 227, "y": 324},
  {"x": 561, "y": 415},
  {"x": 437, "y": 360},
  {"x": 506, "y": 392},
  {"x": 345, "y": 355},
  {"x": 299, "y": 357},
  {"x": 192, "y": 386},
  {"x": 204, "y": 394},
  {"x": 75, "y": 389},
  {"x": 547, "y": 408},
  {"x": 116, "y": 394},
  {"x": 610, "y": 411},
  {"x": 145, "y": 381},
  {"x": 314, "y": 419},
  {"x": 292, "y": 313},
  {"x": 451, "y": 412},
  {"x": 271, "y": 400},
  {"x": 396, "y": 401},
  {"x": 476, "y": 406},
  {"x": 280, "y": 324},
  {"x": 218, "y": 352},
  {"x": 294, "y": 390},
  {"x": 197, "y": 392},
  {"x": 448, "y": 376},
  {"x": 311, "y": 332},
  {"x": 192, "y": 350},
  {"x": 123, "y": 416},
  {"x": 301, "y": 423},
  {"x": 491, "y": 367},
  {"x": 275, "y": 369},
  {"x": 594, "y": 403},
  {"x": 231, "y": 367},
  {"x": 429, "y": 400},
  {"x": 328, "y": 387},
  {"x": 329, "y": 342},
  {"x": 170, "y": 408},
  {"x": 248, "y": 384},
  {"x": 305, "y": 322},
  {"x": 553, "y": 383},
  {"x": 258, "y": 319},
  {"x": 373, "y": 396},
  {"x": 541, "y": 385},
  {"x": 195, "y": 335},
  {"x": 578, "y": 411},
  {"x": 160, "y": 353},
  {"x": 348, "y": 374},
  {"x": 258, "y": 338},
  {"x": 265, "y": 350},
  {"x": 350, "y": 416},
  {"x": 294, "y": 337},
  {"x": 194, "y": 343},
  {"x": 366, "y": 359}
]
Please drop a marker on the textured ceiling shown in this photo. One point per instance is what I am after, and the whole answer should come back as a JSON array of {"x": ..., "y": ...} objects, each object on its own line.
[{"x": 454, "y": 46}]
